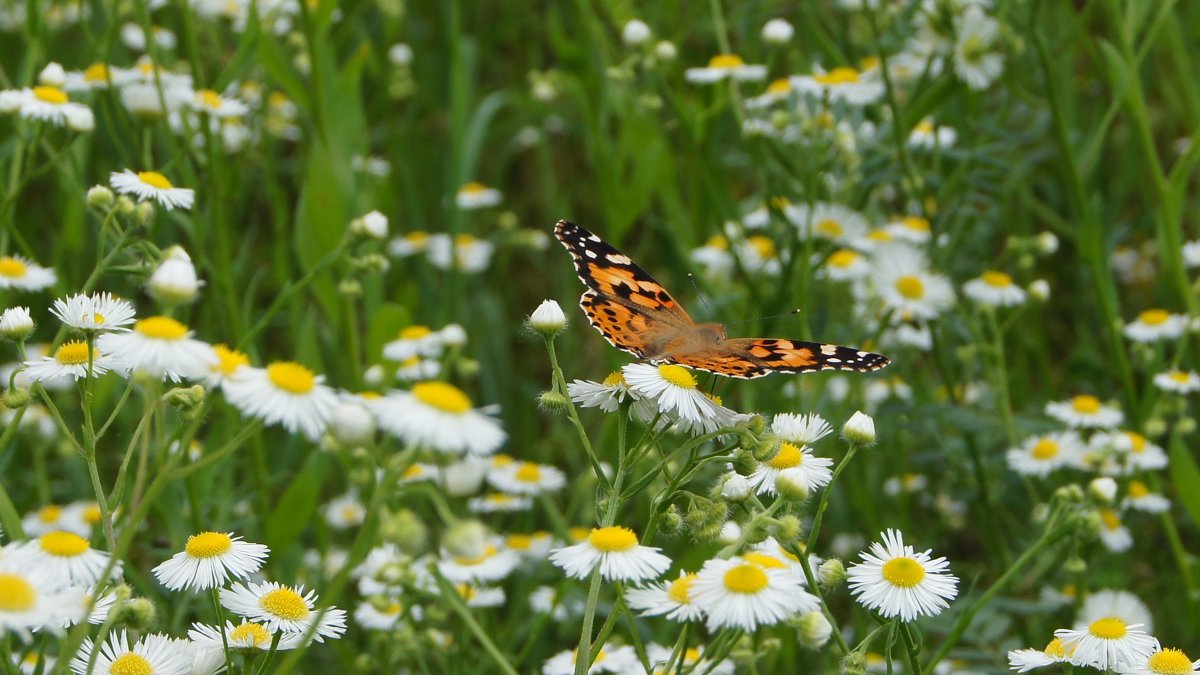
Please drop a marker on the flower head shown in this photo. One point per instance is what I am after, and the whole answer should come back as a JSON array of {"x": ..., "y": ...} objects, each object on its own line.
[
  {"x": 284, "y": 392},
  {"x": 1107, "y": 642},
  {"x": 160, "y": 346},
  {"x": 896, "y": 581},
  {"x": 438, "y": 416},
  {"x": 616, "y": 552},
  {"x": 24, "y": 275},
  {"x": 98, "y": 312},
  {"x": 749, "y": 591},
  {"x": 209, "y": 560},
  {"x": 152, "y": 186},
  {"x": 284, "y": 608}
]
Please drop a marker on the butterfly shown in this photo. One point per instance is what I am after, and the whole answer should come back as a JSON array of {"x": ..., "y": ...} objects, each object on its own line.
[{"x": 637, "y": 315}]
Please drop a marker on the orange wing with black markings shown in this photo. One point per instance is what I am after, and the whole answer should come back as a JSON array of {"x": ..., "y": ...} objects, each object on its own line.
[{"x": 750, "y": 358}]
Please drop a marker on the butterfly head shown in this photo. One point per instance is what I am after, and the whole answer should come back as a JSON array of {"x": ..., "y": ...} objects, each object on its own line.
[{"x": 712, "y": 332}]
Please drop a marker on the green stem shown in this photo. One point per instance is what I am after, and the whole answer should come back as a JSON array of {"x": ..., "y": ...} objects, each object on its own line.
[
  {"x": 450, "y": 594},
  {"x": 910, "y": 647},
  {"x": 583, "y": 654},
  {"x": 824, "y": 503},
  {"x": 560, "y": 383}
]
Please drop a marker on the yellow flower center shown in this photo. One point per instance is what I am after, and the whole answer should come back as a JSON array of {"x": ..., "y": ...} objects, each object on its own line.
[
  {"x": 842, "y": 75},
  {"x": 1154, "y": 317},
  {"x": 677, "y": 375},
  {"x": 444, "y": 397},
  {"x": 780, "y": 202},
  {"x": 830, "y": 228},
  {"x": 996, "y": 279},
  {"x": 251, "y": 633},
  {"x": 910, "y": 287},
  {"x": 473, "y": 188},
  {"x": 464, "y": 240},
  {"x": 502, "y": 460},
  {"x": 97, "y": 72},
  {"x": 612, "y": 539},
  {"x": 1169, "y": 662},
  {"x": 1088, "y": 405},
  {"x": 916, "y": 224},
  {"x": 1108, "y": 628},
  {"x": 1137, "y": 442},
  {"x": 577, "y": 534},
  {"x": 414, "y": 471},
  {"x": 73, "y": 353},
  {"x": 924, "y": 127},
  {"x": 488, "y": 552},
  {"x": 903, "y": 572},
  {"x": 208, "y": 544},
  {"x": 726, "y": 61},
  {"x": 209, "y": 98},
  {"x": 780, "y": 86},
  {"x": 351, "y": 512},
  {"x": 63, "y": 544},
  {"x": 49, "y": 513},
  {"x": 529, "y": 473},
  {"x": 285, "y": 603},
  {"x": 415, "y": 332},
  {"x": 678, "y": 590},
  {"x": 155, "y": 180},
  {"x": 1056, "y": 649},
  {"x": 161, "y": 328},
  {"x": 91, "y": 514},
  {"x": 787, "y": 457},
  {"x": 417, "y": 237},
  {"x": 11, "y": 267},
  {"x": 465, "y": 591},
  {"x": 16, "y": 594},
  {"x": 718, "y": 242},
  {"x": 879, "y": 235},
  {"x": 519, "y": 542},
  {"x": 763, "y": 560},
  {"x": 746, "y": 579},
  {"x": 1045, "y": 448},
  {"x": 229, "y": 360},
  {"x": 763, "y": 246},
  {"x": 843, "y": 258},
  {"x": 1179, "y": 376},
  {"x": 614, "y": 379},
  {"x": 50, "y": 95},
  {"x": 291, "y": 377},
  {"x": 1138, "y": 489},
  {"x": 130, "y": 664},
  {"x": 1110, "y": 519}
]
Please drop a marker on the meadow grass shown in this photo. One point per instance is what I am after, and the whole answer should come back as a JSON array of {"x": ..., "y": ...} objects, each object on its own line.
[{"x": 994, "y": 194}]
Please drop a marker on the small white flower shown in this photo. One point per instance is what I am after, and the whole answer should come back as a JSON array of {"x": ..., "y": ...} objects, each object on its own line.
[
  {"x": 285, "y": 393},
  {"x": 896, "y": 581},
  {"x": 906, "y": 285},
  {"x": 351, "y": 423},
  {"x": 477, "y": 196},
  {"x": 843, "y": 84},
  {"x": 1104, "y": 489},
  {"x": 174, "y": 281},
  {"x": 438, "y": 416},
  {"x": 283, "y": 608},
  {"x": 66, "y": 557},
  {"x": 610, "y": 659},
  {"x": 95, "y": 312},
  {"x": 669, "y": 599},
  {"x": 1161, "y": 662},
  {"x": 1025, "y": 660},
  {"x": 548, "y": 318},
  {"x": 464, "y": 252},
  {"x": 400, "y": 54},
  {"x": 24, "y": 274},
  {"x": 725, "y": 66},
  {"x": 215, "y": 105},
  {"x": 209, "y": 560},
  {"x": 35, "y": 599},
  {"x": 1113, "y": 533},
  {"x": 1116, "y": 603},
  {"x": 1040, "y": 455},
  {"x": 616, "y": 552},
  {"x": 159, "y": 346},
  {"x": 527, "y": 478},
  {"x": 1085, "y": 411},
  {"x": 975, "y": 62},
  {"x": 490, "y": 565},
  {"x": 1176, "y": 381},
  {"x": 1106, "y": 643},
  {"x": 926, "y": 136},
  {"x": 53, "y": 75},
  {"x": 794, "y": 463},
  {"x": 1156, "y": 325},
  {"x": 675, "y": 390},
  {"x": 153, "y": 653},
  {"x": 1140, "y": 498},
  {"x": 344, "y": 511},
  {"x": 835, "y": 222},
  {"x": 635, "y": 33},
  {"x": 994, "y": 289},
  {"x": 16, "y": 324},
  {"x": 70, "y": 360},
  {"x": 46, "y": 103},
  {"x": 373, "y": 224},
  {"x": 152, "y": 186},
  {"x": 244, "y": 636},
  {"x": 749, "y": 591},
  {"x": 860, "y": 428}
]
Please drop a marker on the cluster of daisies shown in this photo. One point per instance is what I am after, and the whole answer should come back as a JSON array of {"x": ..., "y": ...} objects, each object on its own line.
[{"x": 1113, "y": 632}]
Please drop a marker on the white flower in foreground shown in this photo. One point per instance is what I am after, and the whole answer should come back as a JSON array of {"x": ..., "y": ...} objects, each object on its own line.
[
  {"x": 860, "y": 428},
  {"x": 160, "y": 346},
  {"x": 1024, "y": 660},
  {"x": 70, "y": 360},
  {"x": 283, "y": 608},
  {"x": 725, "y": 66},
  {"x": 31, "y": 598},
  {"x": 1164, "y": 662},
  {"x": 743, "y": 592},
  {"x": 1085, "y": 411},
  {"x": 896, "y": 581},
  {"x": 795, "y": 463},
  {"x": 1176, "y": 381},
  {"x": 65, "y": 556},
  {"x": 229, "y": 362},
  {"x": 609, "y": 394},
  {"x": 285, "y": 393},
  {"x": 1155, "y": 325},
  {"x": 669, "y": 599},
  {"x": 95, "y": 312},
  {"x": 906, "y": 285},
  {"x": 152, "y": 186},
  {"x": 1115, "y": 603},
  {"x": 438, "y": 416},
  {"x": 615, "y": 550},
  {"x": 151, "y": 655},
  {"x": 994, "y": 289},
  {"x": 477, "y": 196},
  {"x": 548, "y": 319},
  {"x": 209, "y": 560},
  {"x": 676, "y": 391},
  {"x": 1106, "y": 643},
  {"x": 24, "y": 275},
  {"x": 16, "y": 324},
  {"x": 1040, "y": 455},
  {"x": 800, "y": 429},
  {"x": 247, "y": 636}
]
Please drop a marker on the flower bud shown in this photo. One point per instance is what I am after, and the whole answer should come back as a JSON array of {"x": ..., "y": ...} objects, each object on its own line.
[
  {"x": 351, "y": 424},
  {"x": 82, "y": 120},
  {"x": 1039, "y": 289},
  {"x": 548, "y": 319},
  {"x": 349, "y": 288},
  {"x": 125, "y": 205},
  {"x": 1075, "y": 565},
  {"x": 635, "y": 33},
  {"x": 788, "y": 528},
  {"x": 408, "y": 531},
  {"x": 859, "y": 429},
  {"x": 1103, "y": 489},
  {"x": 672, "y": 521},
  {"x": 174, "y": 281},
  {"x": 15, "y": 399},
  {"x": 1047, "y": 243},
  {"x": 52, "y": 75},
  {"x": 855, "y": 663},
  {"x": 791, "y": 489},
  {"x": 665, "y": 50},
  {"x": 16, "y": 324},
  {"x": 466, "y": 539},
  {"x": 374, "y": 376},
  {"x": 137, "y": 613},
  {"x": 186, "y": 400},
  {"x": 100, "y": 197},
  {"x": 735, "y": 488},
  {"x": 143, "y": 213},
  {"x": 552, "y": 401},
  {"x": 743, "y": 462},
  {"x": 814, "y": 630},
  {"x": 777, "y": 32},
  {"x": 373, "y": 224},
  {"x": 831, "y": 574}
]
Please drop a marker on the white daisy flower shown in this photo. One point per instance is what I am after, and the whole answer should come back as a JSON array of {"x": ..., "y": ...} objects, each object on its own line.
[
  {"x": 24, "y": 275},
  {"x": 1115, "y": 603},
  {"x": 246, "y": 636},
  {"x": 675, "y": 390},
  {"x": 1178, "y": 381},
  {"x": 608, "y": 660},
  {"x": 345, "y": 511},
  {"x": 49, "y": 518},
  {"x": 33, "y": 598},
  {"x": 1155, "y": 325},
  {"x": 615, "y": 550},
  {"x": 800, "y": 429},
  {"x": 994, "y": 289},
  {"x": 835, "y": 222},
  {"x": 152, "y": 186},
  {"x": 1113, "y": 533},
  {"x": 896, "y": 581},
  {"x": 975, "y": 62},
  {"x": 67, "y": 557},
  {"x": 283, "y": 608},
  {"x": 1040, "y": 455},
  {"x": 1106, "y": 643},
  {"x": 906, "y": 285},
  {"x": 1161, "y": 662},
  {"x": 438, "y": 416},
  {"x": 492, "y": 564},
  {"x": 532, "y": 546},
  {"x": 759, "y": 255},
  {"x": 480, "y": 596},
  {"x": 1138, "y": 452},
  {"x": 410, "y": 244},
  {"x": 209, "y": 560},
  {"x": 609, "y": 394},
  {"x": 725, "y": 66},
  {"x": 95, "y": 76},
  {"x": 714, "y": 258},
  {"x": 211, "y": 103},
  {"x": 1085, "y": 412},
  {"x": 464, "y": 252},
  {"x": 527, "y": 478},
  {"x": 477, "y": 196},
  {"x": 160, "y": 346},
  {"x": 845, "y": 264},
  {"x": 153, "y": 653},
  {"x": 96, "y": 312},
  {"x": 380, "y": 613},
  {"x": 70, "y": 360},
  {"x": 53, "y": 105},
  {"x": 285, "y": 393},
  {"x": 414, "y": 341},
  {"x": 229, "y": 362},
  {"x": 926, "y": 136},
  {"x": 910, "y": 229},
  {"x": 669, "y": 599},
  {"x": 794, "y": 463},
  {"x": 844, "y": 84},
  {"x": 1025, "y": 660},
  {"x": 499, "y": 502},
  {"x": 776, "y": 92},
  {"x": 743, "y": 593},
  {"x": 1140, "y": 498}
]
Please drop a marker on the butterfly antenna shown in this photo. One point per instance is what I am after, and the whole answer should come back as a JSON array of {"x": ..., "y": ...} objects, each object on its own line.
[
  {"x": 766, "y": 318},
  {"x": 700, "y": 294}
]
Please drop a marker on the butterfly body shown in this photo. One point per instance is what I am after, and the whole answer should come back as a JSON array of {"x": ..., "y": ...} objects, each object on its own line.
[{"x": 637, "y": 315}]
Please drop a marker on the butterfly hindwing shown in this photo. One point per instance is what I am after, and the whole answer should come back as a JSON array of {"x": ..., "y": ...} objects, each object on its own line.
[{"x": 750, "y": 358}]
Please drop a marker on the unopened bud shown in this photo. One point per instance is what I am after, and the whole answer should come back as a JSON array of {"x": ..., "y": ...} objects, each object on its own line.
[
  {"x": 554, "y": 402},
  {"x": 831, "y": 574},
  {"x": 814, "y": 630},
  {"x": 99, "y": 197},
  {"x": 859, "y": 429},
  {"x": 548, "y": 319},
  {"x": 15, "y": 399}
]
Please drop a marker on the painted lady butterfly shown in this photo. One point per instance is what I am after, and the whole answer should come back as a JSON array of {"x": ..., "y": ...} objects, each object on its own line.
[{"x": 637, "y": 315}]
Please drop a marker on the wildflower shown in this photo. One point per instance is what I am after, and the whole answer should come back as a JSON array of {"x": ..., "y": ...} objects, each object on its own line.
[
  {"x": 498, "y": 502},
  {"x": 476, "y": 196},
  {"x": 669, "y": 599},
  {"x": 1161, "y": 662},
  {"x": 377, "y": 614},
  {"x": 489, "y": 564},
  {"x": 1040, "y": 455},
  {"x": 283, "y": 608},
  {"x": 174, "y": 281},
  {"x": 794, "y": 463},
  {"x": 439, "y": 416},
  {"x": 846, "y": 264},
  {"x": 1104, "y": 489},
  {"x": 400, "y": 54},
  {"x": 994, "y": 289},
  {"x": 747, "y": 592},
  {"x": 1085, "y": 411},
  {"x": 844, "y": 84},
  {"x": 617, "y": 554},
  {"x": 47, "y": 103},
  {"x": 1155, "y": 325},
  {"x": 16, "y": 324},
  {"x": 833, "y": 222},
  {"x": 1176, "y": 381},
  {"x": 344, "y": 511},
  {"x": 1113, "y": 533},
  {"x": 1107, "y": 642},
  {"x": 860, "y": 429},
  {"x": 70, "y": 360},
  {"x": 480, "y": 596},
  {"x": 725, "y": 66},
  {"x": 1039, "y": 289},
  {"x": 777, "y": 32},
  {"x": 910, "y": 229},
  {"x": 527, "y": 478},
  {"x": 926, "y": 135},
  {"x": 65, "y": 556},
  {"x": 414, "y": 340},
  {"x": 209, "y": 560},
  {"x": 548, "y": 319},
  {"x": 907, "y": 286},
  {"x": 895, "y": 581},
  {"x": 215, "y": 105},
  {"x": 152, "y": 186},
  {"x": 23, "y": 274},
  {"x": 153, "y": 653},
  {"x": 246, "y": 636},
  {"x": 1024, "y": 660},
  {"x": 463, "y": 252},
  {"x": 285, "y": 393},
  {"x": 159, "y": 346},
  {"x": 1116, "y": 603},
  {"x": 229, "y": 362},
  {"x": 532, "y": 546},
  {"x": 674, "y": 389},
  {"x": 94, "y": 313},
  {"x": 635, "y": 33},
  {"x": 609, "y": 659},
  {"x": 609, "y": 394},
  {"x": 31, "y": 598},
  {"x": 974, "y": 61},
  {"x": 1140, "y": 498}
]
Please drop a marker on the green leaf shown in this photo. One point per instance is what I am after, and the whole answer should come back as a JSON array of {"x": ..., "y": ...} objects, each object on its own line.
[
  {"x": 294, "y": 511},
  {"x": 1186, "y": 476},
  {"x": 386, "y": 322}
]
